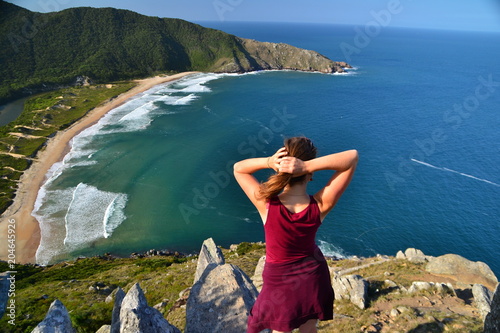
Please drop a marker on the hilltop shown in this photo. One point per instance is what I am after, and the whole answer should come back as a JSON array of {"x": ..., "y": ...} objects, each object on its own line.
[
  {"x": 401, "y": 293},
  {"x": 41, "y": 51}
]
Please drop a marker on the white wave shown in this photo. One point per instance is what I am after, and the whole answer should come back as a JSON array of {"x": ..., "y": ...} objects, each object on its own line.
[
  {"x": 454, "y": 171},
  {"x": 330, "y": 250},
  {"x": 90, "y": 210},
  {"x": 73, "y": 218}
]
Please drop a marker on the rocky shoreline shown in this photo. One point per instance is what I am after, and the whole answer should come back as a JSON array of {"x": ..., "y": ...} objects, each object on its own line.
[{"x": 410, "y": 292}]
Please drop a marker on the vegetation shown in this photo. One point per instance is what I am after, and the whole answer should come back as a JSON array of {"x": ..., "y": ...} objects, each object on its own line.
[
  {"x": 44, "y": 114},
  {"x": 84, "y": 285},
  {"x": 106, "y": 44}
]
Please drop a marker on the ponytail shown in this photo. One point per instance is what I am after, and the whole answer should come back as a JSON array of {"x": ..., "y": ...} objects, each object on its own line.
[{"x": 299, "y": 147}]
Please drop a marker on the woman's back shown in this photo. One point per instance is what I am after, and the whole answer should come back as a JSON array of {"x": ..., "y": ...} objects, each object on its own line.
[{"x": 291, "y": 236}]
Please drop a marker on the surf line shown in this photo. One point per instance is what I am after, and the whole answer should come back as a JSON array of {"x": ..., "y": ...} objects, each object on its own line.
[{"x": 457, "y": 172}]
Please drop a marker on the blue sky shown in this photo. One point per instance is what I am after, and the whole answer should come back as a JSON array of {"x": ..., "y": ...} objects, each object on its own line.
[{"x": 476, "y": 15}]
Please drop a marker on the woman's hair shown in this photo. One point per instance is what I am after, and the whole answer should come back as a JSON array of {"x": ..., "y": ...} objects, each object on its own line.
[{"x": 299, "y": 147}]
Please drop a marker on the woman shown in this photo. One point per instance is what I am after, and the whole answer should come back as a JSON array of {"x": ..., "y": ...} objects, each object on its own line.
[{"x": 297, "y": 290}]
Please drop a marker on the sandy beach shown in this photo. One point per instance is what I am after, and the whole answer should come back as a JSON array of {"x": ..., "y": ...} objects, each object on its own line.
[{"x": 27, "y": 231}]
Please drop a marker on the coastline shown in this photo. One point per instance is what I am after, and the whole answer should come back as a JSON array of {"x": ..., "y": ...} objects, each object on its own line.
[{"x": 27, "y": 231}]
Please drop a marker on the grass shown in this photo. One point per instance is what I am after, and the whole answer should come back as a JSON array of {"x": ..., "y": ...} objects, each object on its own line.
[
  {"x": 162, "y": 278},
  {"x": 43, "y": 115}
]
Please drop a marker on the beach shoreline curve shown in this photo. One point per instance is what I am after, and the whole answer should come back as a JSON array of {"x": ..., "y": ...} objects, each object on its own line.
[{"x": 17, "y": 219}]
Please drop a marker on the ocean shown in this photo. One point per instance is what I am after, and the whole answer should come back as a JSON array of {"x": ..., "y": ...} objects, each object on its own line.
[{"x": 420, "y": 106}]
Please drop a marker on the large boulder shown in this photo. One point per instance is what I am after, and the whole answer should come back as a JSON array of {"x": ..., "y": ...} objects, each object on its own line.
[
  {"x": 352, "y": 287},
  {"x": 220, "y": 301},
  {"x": 492, "y": 320},
  {"x": 482, "y": 298},
  {"x": 137, "y": 316},
  {"x": 413, "y": 255},
  {"x": 257, "y": 275},
  {"x": 210, "y": 256},
  {"x": 462, "y": 270},
  {"x": 56, "y": 321},
  {"x": 115, "y": 315}
]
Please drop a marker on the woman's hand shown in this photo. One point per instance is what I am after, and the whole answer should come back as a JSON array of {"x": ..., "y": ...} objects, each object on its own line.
[
  {"x": 274, "y": 161},
  {"x": 292, "y": 165}
]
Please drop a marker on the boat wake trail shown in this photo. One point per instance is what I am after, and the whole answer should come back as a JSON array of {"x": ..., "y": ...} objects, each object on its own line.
[{"x": 454, "y": 171}]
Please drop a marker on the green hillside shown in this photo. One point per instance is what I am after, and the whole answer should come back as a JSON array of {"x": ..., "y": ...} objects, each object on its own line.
[{"x": 105, "y": 44}]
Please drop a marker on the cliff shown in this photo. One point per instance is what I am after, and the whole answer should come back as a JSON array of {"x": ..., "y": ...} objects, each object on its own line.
[
  {"x": 106, "y": 44},
  {"x": 402, "y": 293}
]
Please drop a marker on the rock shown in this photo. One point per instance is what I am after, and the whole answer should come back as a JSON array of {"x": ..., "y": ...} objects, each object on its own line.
[
  {"x": 257, "y": 275},
  {"x": 482, "y": 298},
  {"x": 104, "y": 329},
  {"x": 220, "y": 301},
  {"x": 56, "y": 321},
  {"x": 394, "y": 313},
  {"x": 419, "y": 285},
  {"x": 210, "y": 256},
  {"x": 115, "y": 315},
  {"x": 492, "y": 320},
  {"x": 137, "y": 316},
  {"x": 352, "y": 287},
  {"x": 463, "y": 270},
  {"x": 413, "y": 255},
  {"x": 400, "y": 255}
]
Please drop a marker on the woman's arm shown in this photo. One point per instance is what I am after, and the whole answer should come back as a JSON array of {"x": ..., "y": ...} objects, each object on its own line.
[
  {"x": 244, "y": 170},
  {"x": 344, "y": 163}
]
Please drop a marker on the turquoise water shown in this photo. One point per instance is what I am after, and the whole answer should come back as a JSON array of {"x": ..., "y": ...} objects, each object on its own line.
[{"x": 156, "y": 172}]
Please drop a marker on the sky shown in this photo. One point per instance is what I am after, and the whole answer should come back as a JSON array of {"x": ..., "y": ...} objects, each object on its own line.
[{"x": 472, "y": 15}]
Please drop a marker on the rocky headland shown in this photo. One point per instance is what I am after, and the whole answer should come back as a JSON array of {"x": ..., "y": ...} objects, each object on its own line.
[{"x": 213, "y": 292}]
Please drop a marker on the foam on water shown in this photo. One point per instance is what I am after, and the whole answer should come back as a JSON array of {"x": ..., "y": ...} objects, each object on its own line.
[
  {"x": 330, "y": 250},
  {"x": 92, "y": 214},
  {"x": 72, "y": 218}
]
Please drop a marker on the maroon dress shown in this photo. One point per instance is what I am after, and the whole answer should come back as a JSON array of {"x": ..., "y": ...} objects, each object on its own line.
[{"x": 297, "y": 285}]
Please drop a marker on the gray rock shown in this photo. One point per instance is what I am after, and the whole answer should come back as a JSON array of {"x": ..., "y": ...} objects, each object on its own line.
[
  {"x": 462, "y": 270},
  {"x": 56, "y": 321},
  {"x": 137, "y": 316},
  {"x": 104, "y": 329},
  {"x": 210, "y": 256},
  {"x": 115, "y": 316},
  {"x": 257, "y": 275},
  {"x": 482, "y": 298},
  {"x": 400, "y": 255},
  {"x": 415, "y": 255},
  {"x": 492, "y": 320},
  {"x": 220, "y": 301},
  {"x": 420, "y": 285},
  {"x": 352, "y": 287}
]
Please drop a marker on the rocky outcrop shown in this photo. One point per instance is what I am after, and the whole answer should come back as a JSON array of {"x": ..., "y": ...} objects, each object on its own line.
[
  {"x": 413, "y": 255},
  {"x": 220, "y": 301},
  {"x": 352, "y": 287},
  {"x": 210, "y": 256},
  {"x": 56, "y": 321},
  {"x": 482, "y": 298},
  {"x": 137, "y": 316},
  {"x": 492, "y": 320},
  {"x": 115, "y": 316},
  {"x": 257, "y": 275},
  {"x": 277, "y": 56},
  {"x": 463, "y": 270}
]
